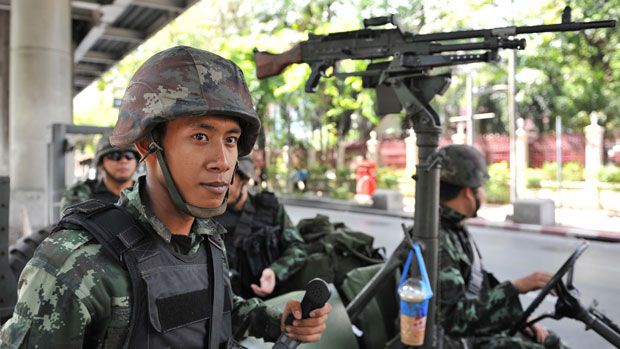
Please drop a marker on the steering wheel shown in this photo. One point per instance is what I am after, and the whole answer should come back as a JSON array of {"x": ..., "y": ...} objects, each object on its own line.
[{"x": 553, "y": 283}]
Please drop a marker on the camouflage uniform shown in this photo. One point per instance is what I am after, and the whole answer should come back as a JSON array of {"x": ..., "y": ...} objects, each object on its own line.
[
  {"x": 471, "y": 318},
  {"x": 85, "y": 190},
  {"x": 291, "y": 246},
  {"x": 94, "y": 189},
  {"x": 485, "y": 318},
  {"x": 72, "y": 294}
]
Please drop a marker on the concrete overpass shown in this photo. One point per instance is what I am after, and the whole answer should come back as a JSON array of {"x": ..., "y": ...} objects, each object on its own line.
[{"x": 49, "y": 51}]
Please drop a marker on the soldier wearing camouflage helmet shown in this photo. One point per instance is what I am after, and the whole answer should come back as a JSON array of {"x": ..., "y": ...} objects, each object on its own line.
[
  {"x": 259, "y": 220},
  {"x": 475, "y": 309},
  {"x": 116, "y": 166},
  {"x": 151, "y": 270}
]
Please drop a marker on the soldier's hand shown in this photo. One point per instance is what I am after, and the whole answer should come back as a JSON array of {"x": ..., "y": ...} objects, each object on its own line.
[
  {"x": 539, "y": 332},
  {"x": 307, "y": 330},
  {"x": 267, "y": 283},
  {"x": 532, "y": 282}
]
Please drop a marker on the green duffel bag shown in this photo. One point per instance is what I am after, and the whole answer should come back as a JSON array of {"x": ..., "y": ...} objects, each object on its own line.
[{"x": 334, "y": 250}]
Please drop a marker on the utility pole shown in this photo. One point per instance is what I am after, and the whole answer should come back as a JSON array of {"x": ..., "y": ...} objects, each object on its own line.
[
  {"x": 512, "y": 123},
  {"x": 558, "y": 150},
  {"x": 469, "y": 88}
]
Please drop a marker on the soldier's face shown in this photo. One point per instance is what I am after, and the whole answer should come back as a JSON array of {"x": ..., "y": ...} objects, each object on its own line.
[
  {"x": 201, "y": 153},
  {"x": 121, "y": 170}
]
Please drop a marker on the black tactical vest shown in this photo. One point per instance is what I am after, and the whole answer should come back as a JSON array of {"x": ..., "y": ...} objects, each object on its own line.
[
  {"x": 105, "y": 196},
  {"x": 173, "y": 295},
  {"x": 252, "y": 242}
]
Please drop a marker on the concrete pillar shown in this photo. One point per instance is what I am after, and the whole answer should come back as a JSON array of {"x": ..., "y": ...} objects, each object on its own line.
[
  {"x": 459, "y": 137},
  {"x": 594, "y": 158},
  {"x": 372, "y": 148},
  {"x": 522, "y": 155},
  {"x": 411, "y": 152},
  {"x": 594, "y": 147},
  {"x": 4, "y": 92},
  {"x": 469, "y": 87},
  {"x": 311, "y": 155},
  {"x": 286, "y": 159},
  {"x": 341, "y": 157},
  {"x": 40, "y": 85}
]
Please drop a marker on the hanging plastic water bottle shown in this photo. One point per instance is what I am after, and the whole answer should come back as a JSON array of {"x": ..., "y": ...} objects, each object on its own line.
[
  {"x": 412, "y": 312},
  {"x": 414, "y": 295}
]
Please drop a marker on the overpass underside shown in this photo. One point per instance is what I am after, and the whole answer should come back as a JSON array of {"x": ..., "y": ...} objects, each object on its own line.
[{"x": 50, "y": 51}]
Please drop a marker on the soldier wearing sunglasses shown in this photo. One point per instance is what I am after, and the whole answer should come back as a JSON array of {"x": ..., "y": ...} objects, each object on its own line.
[{"x": 116, "y": 167}]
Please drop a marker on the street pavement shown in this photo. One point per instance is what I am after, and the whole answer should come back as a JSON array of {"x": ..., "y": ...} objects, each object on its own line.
[{"x": 512, "y": 254}]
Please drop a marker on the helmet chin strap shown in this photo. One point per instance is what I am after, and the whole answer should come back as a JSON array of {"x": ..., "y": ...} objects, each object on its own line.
[{"x": 173, "y": 191}]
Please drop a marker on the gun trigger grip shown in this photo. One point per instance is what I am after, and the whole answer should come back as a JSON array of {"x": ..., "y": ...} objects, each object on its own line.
[{"x": 316, "y": 71}]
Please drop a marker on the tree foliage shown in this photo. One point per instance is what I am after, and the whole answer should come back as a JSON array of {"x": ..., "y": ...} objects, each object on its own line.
[{"x": 568, "y": 75}]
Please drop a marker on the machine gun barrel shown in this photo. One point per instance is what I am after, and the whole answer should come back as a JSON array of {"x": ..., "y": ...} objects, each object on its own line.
[{"x": 513, "y": 30}]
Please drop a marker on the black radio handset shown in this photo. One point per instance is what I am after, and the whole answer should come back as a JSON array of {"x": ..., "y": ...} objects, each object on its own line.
[{"x": 317, "y": 294}]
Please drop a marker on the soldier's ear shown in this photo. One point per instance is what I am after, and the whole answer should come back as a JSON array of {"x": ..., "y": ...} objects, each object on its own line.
[{"x": 468, "y": 193}]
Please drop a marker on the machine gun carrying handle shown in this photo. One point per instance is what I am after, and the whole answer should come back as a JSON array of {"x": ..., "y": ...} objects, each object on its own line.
[
  {"x": 382, "y": 20},
  {"x": 376, "y": 21}
]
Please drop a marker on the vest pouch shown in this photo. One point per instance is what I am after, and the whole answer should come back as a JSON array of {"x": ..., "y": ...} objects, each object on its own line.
[
  {"x": 260, "y": 249},
  {"x": 271, "y": 243},
  {"x": 179, "y": 305}
]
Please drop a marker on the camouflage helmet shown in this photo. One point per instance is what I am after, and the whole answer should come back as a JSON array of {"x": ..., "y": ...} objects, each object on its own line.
[
  {"x": 183, "y": 82},
  {"x": 104, "y": 147},
  {"x": 246, "y": 167},
  {"x": 463, "y": 165}
]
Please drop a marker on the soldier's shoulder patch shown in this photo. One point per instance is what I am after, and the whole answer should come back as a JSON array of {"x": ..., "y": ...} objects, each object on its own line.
[{"x": 55, "y": 250}]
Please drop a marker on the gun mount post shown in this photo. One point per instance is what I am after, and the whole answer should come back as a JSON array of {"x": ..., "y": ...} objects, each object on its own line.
[{"x": 427, "y": 125}]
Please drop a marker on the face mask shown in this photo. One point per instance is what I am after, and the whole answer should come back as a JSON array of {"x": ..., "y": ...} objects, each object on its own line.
[{"x": 478, "y": 203}]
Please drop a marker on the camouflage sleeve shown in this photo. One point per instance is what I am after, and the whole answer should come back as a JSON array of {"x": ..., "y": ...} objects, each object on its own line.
[
  {"x": 47, "y": 314},
  {"x": 252, "y": 317},
  {"x": 292, "y": 245},
  {"x": 75, "y": 194},
  {"x": 492, "y": 312}
]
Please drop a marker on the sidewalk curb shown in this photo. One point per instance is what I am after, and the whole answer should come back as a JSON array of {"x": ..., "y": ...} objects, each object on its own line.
[
  {"x": 601, "y": 235},
  {"x": 341, "y": 205}
]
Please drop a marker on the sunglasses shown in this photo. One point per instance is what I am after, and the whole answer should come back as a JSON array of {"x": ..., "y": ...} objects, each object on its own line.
[{"x": 117, "y": 155}]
